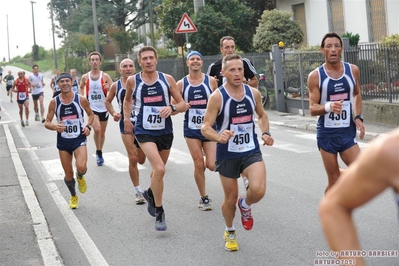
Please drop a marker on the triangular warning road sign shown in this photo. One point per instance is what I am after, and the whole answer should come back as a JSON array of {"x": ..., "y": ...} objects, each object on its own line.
[{"x": 186, "y": 25}]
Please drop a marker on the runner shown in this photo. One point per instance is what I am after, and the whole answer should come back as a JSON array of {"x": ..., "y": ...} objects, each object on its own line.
[
  {"x": 72, "y": 134},
  {"x": 75, "y": 81},
  {"x": 37, "y": 85},
  {"x": 152, "y": 91},
  {"x": 334, "y": 96},
  {"x": 233, "y": 107},
  {"x": 95, "y": 85},
  {"x": 375, "y": 170},
  {"x": 135, "y": 154},
  {"x": 53, "y": 83},
  {"x": 196, "y": 88},
  {"x": 9, "y": 80},
  {"x": 21, "y": 86}
]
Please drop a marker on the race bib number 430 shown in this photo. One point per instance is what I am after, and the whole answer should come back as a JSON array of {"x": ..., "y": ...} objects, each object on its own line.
[{"x": 332, "y": 120}]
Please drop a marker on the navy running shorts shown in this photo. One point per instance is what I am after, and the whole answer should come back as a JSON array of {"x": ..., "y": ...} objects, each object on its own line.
[
  {"x": 163, "y": 142},
  {"x": 71, "y": 145},
  {"x": 234, "y": 167},
  {"x": 336, "y": 144}
]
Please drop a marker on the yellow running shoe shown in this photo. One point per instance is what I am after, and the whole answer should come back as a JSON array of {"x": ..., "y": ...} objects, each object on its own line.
[
  {"x": 81, "y": 184},
  {"x": 231, "y": 241},
  {"x": 73, "y": 202}
]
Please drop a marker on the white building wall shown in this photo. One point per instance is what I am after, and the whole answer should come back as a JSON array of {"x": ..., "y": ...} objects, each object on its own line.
[
  {"x": 392, "y": 16},
  {"x": 354, "y": 14},
  {"x": 316, "y": 20}
]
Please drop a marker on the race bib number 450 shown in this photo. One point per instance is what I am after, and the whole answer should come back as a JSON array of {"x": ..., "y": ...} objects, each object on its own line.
[{"x": 243, "y": 139}]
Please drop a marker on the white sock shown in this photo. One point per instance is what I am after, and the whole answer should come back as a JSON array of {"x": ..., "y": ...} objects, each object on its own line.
[
  {"x": 245, "y": 205},
  {"x": 230, "y": 228},
  {"x": 138, "y": 189}
]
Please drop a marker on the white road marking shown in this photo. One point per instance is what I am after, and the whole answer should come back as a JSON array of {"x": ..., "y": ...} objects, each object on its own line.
[
  {"x": 288, "y": 146},
  {"x": 180, "y": 157},
  {"x": 51, "y": 257},
  {"x": 54, "y": 169},
  {"x": 44, "y": 238},
  {"x": 118, "y": 161}
]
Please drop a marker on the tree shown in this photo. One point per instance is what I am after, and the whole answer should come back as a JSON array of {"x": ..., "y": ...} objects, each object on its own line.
[
  {"x": 211, "y": 26},
  {"x": 124, "y": 40},
  {"x": 275, "y": 26},
  {"x": 216, "y": 19},
  {"x": 169, "y": 15},
  {"x": 121, "y": 14}
]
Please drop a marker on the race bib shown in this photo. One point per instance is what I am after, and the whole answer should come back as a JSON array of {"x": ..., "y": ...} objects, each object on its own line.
[
  {"x": 72, "y": 129},
  {"x": 195, "y": 118},
  {"x": 332, "y": 120},
  {"x": 9, "y": 82},
  {"x": 243, "y": 139},
  {"x": 21, "y": 96},
  {"x": 151, "y": 118}
]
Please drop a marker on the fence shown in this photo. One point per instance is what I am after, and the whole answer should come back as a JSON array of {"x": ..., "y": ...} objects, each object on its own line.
[{"x": 378, "y": 64}]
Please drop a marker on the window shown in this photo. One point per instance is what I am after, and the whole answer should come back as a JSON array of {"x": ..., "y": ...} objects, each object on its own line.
[
  {"x": 376, "y": 19},
  {"x": 299, "y": 14},
  {"x": 336, "y": 16}
]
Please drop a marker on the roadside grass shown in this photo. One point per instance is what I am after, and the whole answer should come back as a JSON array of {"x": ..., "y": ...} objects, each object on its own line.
[{"x": 48, "y": 64}]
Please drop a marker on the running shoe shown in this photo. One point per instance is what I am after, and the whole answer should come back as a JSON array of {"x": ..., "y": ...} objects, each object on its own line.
[
  {"x": 73, "y": 202},
  {"x": 204, "y": 204},
  {"x": 230, "y": 241},
  {"x": 151, "y": 203},
  {"x": 43, "y": 119},
  {"x": 100, "y": 160},
  {"x": 139, "y": 198},
  {"x": 246, "y": 216},
  {"x": 160, "y": 223},
  {"x": 81, "y": 184},
  {"x": 27, "y": 123},
  {"x": 37, "y": 117},
  {"x": 22, "y": 123}
]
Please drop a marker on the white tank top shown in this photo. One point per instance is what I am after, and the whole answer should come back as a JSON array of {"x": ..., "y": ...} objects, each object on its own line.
[{"x": 95, "y": 94}]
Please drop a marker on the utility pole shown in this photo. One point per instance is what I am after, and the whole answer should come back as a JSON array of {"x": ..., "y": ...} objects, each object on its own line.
[
  {"x": 93, "y": 6},
  {"x": 52, "y": 25},
  {"x": 8, "y": 42},
  {"x": 151, "y": 24},
  {"x": 33, "y": 23},
  {"x": 198, "y": 4}
]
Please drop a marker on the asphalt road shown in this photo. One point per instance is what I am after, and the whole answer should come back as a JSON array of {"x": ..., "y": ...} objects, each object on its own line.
[{"x": 109, "y": 229}]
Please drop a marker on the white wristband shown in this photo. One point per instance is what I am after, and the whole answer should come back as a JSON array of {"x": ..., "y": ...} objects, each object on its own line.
[{"x": 327, "y": 106}]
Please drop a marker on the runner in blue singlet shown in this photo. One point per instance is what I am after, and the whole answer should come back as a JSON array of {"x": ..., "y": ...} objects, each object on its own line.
[
  {"x": 135, "y": 154},
  {"x": 334, "y": 96}
]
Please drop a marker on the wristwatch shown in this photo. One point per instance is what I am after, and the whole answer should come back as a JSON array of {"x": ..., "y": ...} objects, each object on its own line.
[
  {"x": 173, "y": 107},
  {"x": 267, "y": 133},
  {"x": 358, "y": 117},
  {"x": 89, "y": 127}
]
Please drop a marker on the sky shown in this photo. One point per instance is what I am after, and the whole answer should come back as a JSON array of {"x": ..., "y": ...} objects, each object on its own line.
[{"x": 20, "y": 28}]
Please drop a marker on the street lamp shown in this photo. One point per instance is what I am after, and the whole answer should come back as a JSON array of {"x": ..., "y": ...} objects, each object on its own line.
[{"x": 33, "y": 22}]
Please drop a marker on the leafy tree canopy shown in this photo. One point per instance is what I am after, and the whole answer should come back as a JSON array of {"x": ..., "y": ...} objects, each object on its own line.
[{"x": 275, "y": 26}]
